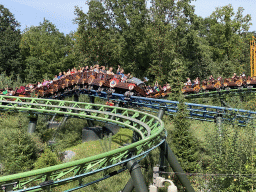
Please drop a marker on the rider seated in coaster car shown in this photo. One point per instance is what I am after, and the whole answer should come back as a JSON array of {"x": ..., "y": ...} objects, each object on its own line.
[
  {"x": 11, "y": 92},
  {"x": 196, "y": 82},
  {"x": 149, "y": 90},
  {"x": 55, "y": 78},
  {"x": 73, "y": 71},
  {"x": 96, "y": 68},
  {"x": 166, "y": 87},
  {"x": 103, "y": 69},
  {"x": 211, "y": 80},
  {"x": 86, "y": 68},
  {"x": 125, "y": 77},
  {"x": 60, "y": 75},
  {"x": 110, "y": 71},
  {"x": 68, "y": 72},
  {"x": 188, "y": 83},
  {"x": 243, "y": 76},
  {"x": 39, "y": 85},
  {"x": 156, "y": 87},
  {"x": 234, "y": 77},
  {"x": 5, "y": 91}
]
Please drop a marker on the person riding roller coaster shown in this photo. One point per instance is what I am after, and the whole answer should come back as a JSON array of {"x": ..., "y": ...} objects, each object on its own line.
[{"x": 188, "y": 83}]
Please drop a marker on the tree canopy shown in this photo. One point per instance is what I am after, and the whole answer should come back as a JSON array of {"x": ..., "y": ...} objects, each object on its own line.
[
  {"x": 44, "y": 50},
  {"x": 9, "y": 42},
  {"x": 144, "y": 41}
]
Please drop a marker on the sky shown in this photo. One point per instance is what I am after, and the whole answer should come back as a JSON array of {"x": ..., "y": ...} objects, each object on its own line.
[{"x": 61, "y": 12}]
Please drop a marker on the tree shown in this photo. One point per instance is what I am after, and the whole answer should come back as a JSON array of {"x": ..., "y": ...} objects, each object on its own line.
[
  {"x": 226, "y": 33},
  {"x": 44, "y": 49},
  {"x": 183, "y": 143},
  {"x": 9, "y": 43},
  {"x": 19, "y": 151},
  {"x": 175, "y": 78},
  {"x": 94, "y": 41},
  {"x": 47, "y": 158}
]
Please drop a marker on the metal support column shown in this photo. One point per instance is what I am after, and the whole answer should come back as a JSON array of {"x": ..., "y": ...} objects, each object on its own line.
[
  {"x": 219, "y": 127},
  {"x": 170, "y": 156},
  {"x": 32, "y": 123},
  {"x": 161, "y": 113},
  {"x": 129, "y": 186},
  {"x": 137, "y": 177},
  {"x": 219, "y": 124},
  {"x": 76, "y": 97},
  {"x": 162, "y": 152},
  {"x": 92, "y": 100}
]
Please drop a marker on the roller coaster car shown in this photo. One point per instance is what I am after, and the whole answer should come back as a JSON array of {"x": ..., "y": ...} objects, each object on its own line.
[
  {"x": 208, "y": 85},
  {"x": 190, "y": 89},
  {"x": 156, "y": 94},
  {"x": 234, "y": 83},
  {"x": 212, "y": 85},
  {"x": 134, "y": 85},
  {"x": 162, "y": 93},
  {"x": 99, "y": 79},
  {"x": 251, "y": 82}
]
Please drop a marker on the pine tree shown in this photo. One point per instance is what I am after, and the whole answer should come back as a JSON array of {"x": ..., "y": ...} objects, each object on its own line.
[
  {"x": 183, "y": 143},
  {"x": 19, "y": 151},
  {"x": 48, "y": 158},
  {"x": 175, "y": 78}
]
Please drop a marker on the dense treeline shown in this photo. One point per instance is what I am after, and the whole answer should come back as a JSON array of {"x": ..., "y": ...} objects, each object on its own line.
[{"x": 144, "y": 41}]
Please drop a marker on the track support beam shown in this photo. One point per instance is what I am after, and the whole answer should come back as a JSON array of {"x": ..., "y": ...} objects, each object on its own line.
[
  {"x": 170, "y": 156},
  {"x": 129, "y": 186},
  {"x": 32, "y": 123},
  {"x": 92, "y": 100},
  {"x": 76, "y": 97},
  {"x": 137, "y": 179},
  {"x": 162, "y": 152}
]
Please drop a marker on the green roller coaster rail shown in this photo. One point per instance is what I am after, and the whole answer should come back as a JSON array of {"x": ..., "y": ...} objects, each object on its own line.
[{"x": 149, "y": 127}]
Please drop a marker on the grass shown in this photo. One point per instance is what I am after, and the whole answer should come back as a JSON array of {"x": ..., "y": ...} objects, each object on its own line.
[{"x": 92, "y": 148}]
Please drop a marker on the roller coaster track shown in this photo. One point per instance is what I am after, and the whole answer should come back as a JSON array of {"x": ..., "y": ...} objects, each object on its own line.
[
  {"x": 196, "y": 111},
  {"x": 148, "y": 127},
  {"x": 219, "y": 93}
]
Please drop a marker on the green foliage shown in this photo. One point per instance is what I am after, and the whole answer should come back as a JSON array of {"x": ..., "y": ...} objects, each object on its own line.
[
  {"x": 47, "y": 158},
  {"x": 19, "y": 151},
  {"x": 11, "y": 81},
  {"x": 175, "y": 78},
  {"x": 226, "y": 34},
  {"x": 183, "y": 143},
  {"x": 231, "y": 150},
  {"x": 44, "y": 50},
  {"x": 9, "y": 43}
]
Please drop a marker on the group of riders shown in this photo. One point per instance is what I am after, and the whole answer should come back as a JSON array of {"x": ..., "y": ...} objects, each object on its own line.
[
  {"x": 29, "y": 88},
  {"x": 196, "y": 82}
]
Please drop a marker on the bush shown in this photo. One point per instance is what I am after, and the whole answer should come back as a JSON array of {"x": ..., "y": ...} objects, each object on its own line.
[{"x": 47, "y": 158}]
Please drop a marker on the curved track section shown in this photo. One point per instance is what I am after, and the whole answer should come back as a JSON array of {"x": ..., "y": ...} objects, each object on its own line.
[
  {"x": 196, "y": 111},
  {"x": 149, "y": 127}
]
